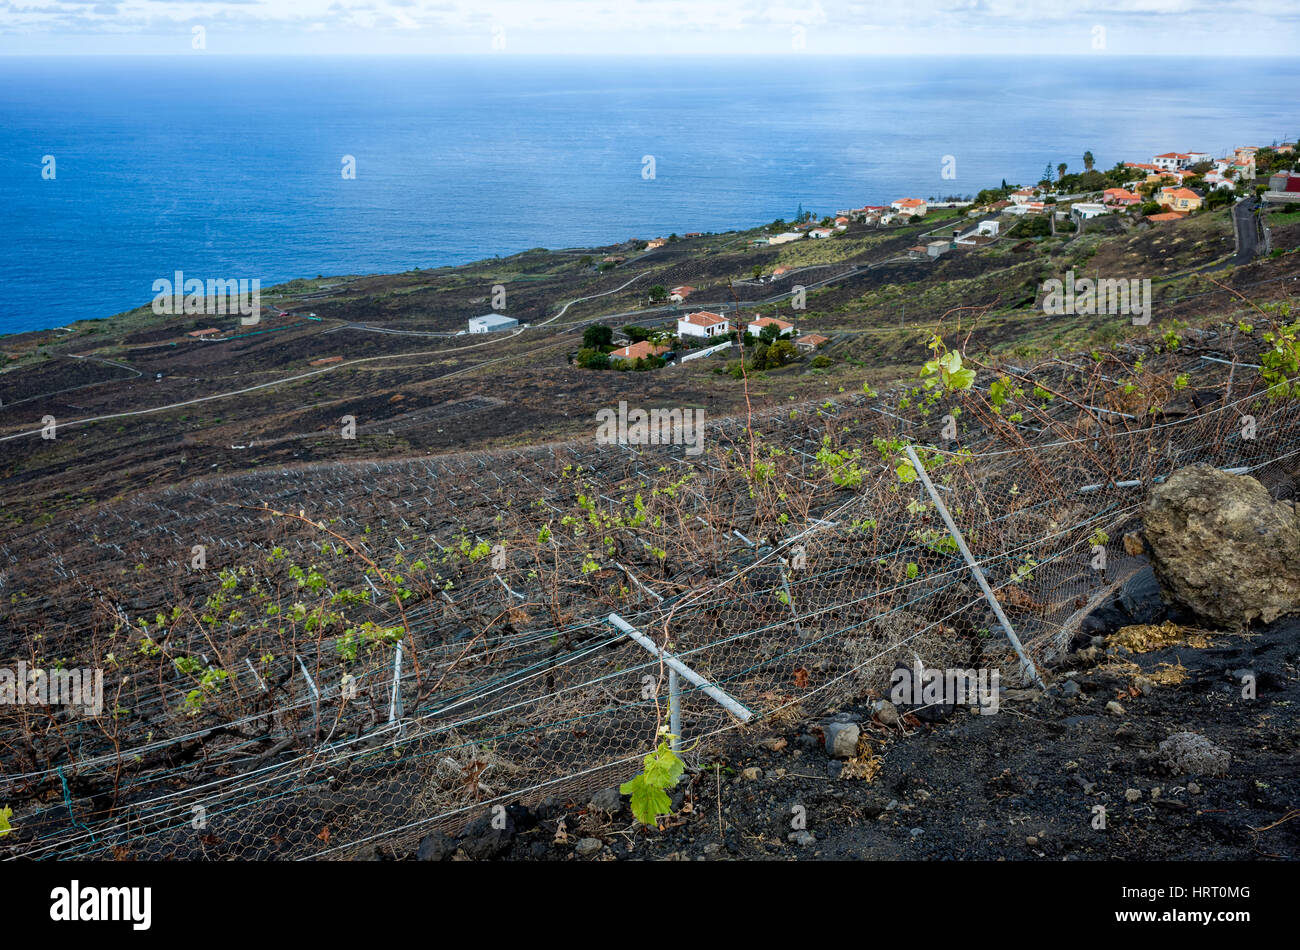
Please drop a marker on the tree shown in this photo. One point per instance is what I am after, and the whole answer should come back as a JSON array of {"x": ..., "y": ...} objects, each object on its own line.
[
  {"x": 769, "y": 333},
  {"x": 1060, "y": 170},
  {"x": 657, "y": 293},
  {"x": 592, "y": 359},
  {"x": 757, "y": 271},
  {"x": 597, "y": 336},
  {"x": 1088, "y": 161},
  {"x": 636, "y": 334}
]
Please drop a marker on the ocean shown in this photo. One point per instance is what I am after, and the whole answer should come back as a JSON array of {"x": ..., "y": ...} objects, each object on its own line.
[{"x": 231, "y": 167}]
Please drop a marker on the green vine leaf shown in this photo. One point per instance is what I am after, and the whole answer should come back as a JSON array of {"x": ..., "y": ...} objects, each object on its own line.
[{"x": 649, "y": 790}]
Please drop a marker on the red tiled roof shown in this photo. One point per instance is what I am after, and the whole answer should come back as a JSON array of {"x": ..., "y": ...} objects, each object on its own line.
[
  {"x": 705, "y": 318},
  {"x": 638, "y": 351},
  {"x": 767, "y": 321}
]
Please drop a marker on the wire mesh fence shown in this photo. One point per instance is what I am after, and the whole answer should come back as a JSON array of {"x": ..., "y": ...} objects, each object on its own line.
[{"x": 367, "y": 652}]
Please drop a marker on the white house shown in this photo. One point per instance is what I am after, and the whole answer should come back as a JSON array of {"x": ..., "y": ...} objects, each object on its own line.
[
  {"x": 988, "y": 227},
  {"x": 1172, "y": 160},
  {"x": 491, "y": 323},
  {"x": 703, "y": 324},
  {"x": 1086, "y": 209},
  {"x": 755, "y": 327},
  {"x": 915, "y": 207},
  {"x": 821, "y": 232},
  {"x": 784, "y": 237},
  {"x": 1023, "y": 196}
]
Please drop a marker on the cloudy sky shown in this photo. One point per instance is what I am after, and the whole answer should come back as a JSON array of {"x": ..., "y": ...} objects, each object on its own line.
[{"x": 651, "y": 27}]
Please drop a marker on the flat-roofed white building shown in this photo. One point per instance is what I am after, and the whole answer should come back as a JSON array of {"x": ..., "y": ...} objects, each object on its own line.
[{"x": 491, "y": 323}]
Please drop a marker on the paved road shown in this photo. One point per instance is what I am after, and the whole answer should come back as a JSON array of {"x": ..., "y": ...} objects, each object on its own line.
[{"x": 1243, "y": 219}]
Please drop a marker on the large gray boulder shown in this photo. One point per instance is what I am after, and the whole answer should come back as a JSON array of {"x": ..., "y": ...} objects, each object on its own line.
[{"x": 1222, "y": 547}]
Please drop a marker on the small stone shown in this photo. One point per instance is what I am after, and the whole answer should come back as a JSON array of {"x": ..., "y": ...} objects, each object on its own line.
[
  {"x": 436, "y": 847},
  {"x": 752, "y": 774},
  {"x": 1144, "y": 685},
  {"x": 1134, "y": 546},
  {"x": 842, "y": 739},
  {"x": 774, "y": 745},
  {"x": 1156, "y": 792},
  {"x": 1114, "y": 708},
  {"x": 1132, "y": 795},
  {"x": 886, "y": 712},
  {"x": 1022, "y": 695},
  {"x": 917, "y": 832},
  {"x": 1193, "y": 788},
  {"x": 608, "y": 801},
  {"x": 1031, "y": 841},
  {"x": 1071, "y": 765},
  {"x": 712, "y": 848},
  {"x": 802, "y": 838},
  {"x": 586, "y": 847},
  {"x": 1089, "y": 787},
  {"x": 1070, "y": 689}
]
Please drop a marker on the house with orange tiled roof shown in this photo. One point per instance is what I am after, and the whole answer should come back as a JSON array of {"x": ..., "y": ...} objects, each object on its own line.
[
  {"x": 1179, "y": 199},
  {"x": 657, "y": 242},
  {"x": 678, "y": 294},
  {"x": 1119, "y": 197},
  {"x": 643, "y": 350},
  {"x": 811, "y": 341},
  {"x": 703, "y": 324},
  {"x": 914, "y": 207},
  {"x": 1023, "y": 196},
  {"x": 1172, "y": 160},
  {"x": 755, "y": 327}
]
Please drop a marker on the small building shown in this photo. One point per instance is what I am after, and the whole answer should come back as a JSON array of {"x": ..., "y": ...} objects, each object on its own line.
[
  {"x": 918, "y": 251},
  {"x": 204, "y": 333},
  {"x": 780, "y": 270},
  {"x": 703, "y": 324},
  {"x": 1120, "y": 197},
  {"x": 1088, "y": 209},
  {"x": 913, "y": 207},
  {"x": 656, "y": 243},
  {"x": 1179, "y": 199},
  {"x": 988, "y": 228},
  {"x": 491, "y": 323},
  {"x": 755, "y": 327},
  {"x": 1284, "y": 181},
  {"x": 821, "y": 232},
  {"x": 1022, "y": 196},
  {"x": 638, "y": 351},
  {"x": 1171, "y": 160},
  {"x": 936, "y": 248},
  {"x": 811, "y": 341},
  {"x": 784, "y": 237},
  {"x": 678, "y": 294}
]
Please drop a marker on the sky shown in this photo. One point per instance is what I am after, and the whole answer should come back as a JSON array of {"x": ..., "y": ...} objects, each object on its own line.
[{"x": 650, "y": 27}]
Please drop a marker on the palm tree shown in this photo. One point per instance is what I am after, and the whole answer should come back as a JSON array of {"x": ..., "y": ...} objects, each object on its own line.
[
  {"x": 1088, "y": 161},
  {"x": 1060, "y": 170}
]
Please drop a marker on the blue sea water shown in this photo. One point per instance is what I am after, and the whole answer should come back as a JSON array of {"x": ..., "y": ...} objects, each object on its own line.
[{"x": 230, "y": 167}]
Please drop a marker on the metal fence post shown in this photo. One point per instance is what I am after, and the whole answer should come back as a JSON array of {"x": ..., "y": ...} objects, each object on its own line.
[
  {"x": 1026, "y": 664},
  {"x": 674, "y": 710}
]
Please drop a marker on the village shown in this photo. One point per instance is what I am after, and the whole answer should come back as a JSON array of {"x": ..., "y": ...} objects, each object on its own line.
[{"x": 1170, "y": 187}]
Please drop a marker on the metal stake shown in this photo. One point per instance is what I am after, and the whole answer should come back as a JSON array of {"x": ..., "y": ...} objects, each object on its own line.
[{"x": 1026, "y": 664}]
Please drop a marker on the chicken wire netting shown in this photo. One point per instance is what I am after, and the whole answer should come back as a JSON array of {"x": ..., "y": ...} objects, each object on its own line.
[{"x": 370, "y": 651}]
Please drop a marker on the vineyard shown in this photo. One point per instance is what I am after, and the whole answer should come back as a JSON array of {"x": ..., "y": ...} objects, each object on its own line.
[{"x": 313, "y": 662}]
